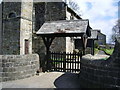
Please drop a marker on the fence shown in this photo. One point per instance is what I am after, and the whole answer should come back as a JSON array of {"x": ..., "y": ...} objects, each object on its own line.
[{"x": 65, "y": 62}]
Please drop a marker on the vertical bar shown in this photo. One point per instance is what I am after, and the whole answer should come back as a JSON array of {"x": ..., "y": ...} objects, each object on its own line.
[
  {"x": 70, "y": 62},
  {"x": 64, "y": 62},
  {"x": 61, "y": 61},
  {"x": 75, "y": 61},
  {"x": 52, "y": 59},
  {"x": 55, "y": 60},
  {"x": 49, "y": 61},
  {"x": 93, "y": 48},
  {"x": 78, "y": 59},
  {"x": 67, "y": 61}
]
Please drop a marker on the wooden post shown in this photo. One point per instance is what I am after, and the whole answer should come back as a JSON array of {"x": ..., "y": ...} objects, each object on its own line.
[
  {"x": 84, "y": 40},
  {"x": 47, "y": 42},
  {"x": 92, "y": 47}
]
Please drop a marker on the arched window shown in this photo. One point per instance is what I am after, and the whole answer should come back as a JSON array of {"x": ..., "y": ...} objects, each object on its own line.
[{"x": 12, "y": 15}]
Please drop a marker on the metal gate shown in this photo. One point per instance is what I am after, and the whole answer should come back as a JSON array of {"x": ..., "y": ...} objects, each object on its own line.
[{"x": 65, "y": 62}]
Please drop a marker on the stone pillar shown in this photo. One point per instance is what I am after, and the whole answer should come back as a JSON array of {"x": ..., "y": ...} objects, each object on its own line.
[{"x": 26, "y": 27}]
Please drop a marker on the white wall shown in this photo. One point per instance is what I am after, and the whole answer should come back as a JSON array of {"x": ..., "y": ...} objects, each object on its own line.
[{"x": 69, "y": 44}]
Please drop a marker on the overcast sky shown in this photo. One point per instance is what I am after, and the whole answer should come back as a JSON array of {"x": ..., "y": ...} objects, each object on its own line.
[{"x": 102, "y": 14}]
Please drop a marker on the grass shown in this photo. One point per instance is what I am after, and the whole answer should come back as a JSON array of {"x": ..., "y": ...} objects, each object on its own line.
[
  {"x": 107, "y": 51},
  {"x": 96, "y": 50},
  {"x": 105, "y": 58}
]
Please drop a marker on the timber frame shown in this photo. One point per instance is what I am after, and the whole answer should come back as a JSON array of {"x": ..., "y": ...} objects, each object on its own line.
[
  {"x": 48, "y": 41},
  {"x": 64, "y": 28}
]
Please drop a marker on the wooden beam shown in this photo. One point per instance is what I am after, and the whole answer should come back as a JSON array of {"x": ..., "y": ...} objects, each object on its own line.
[
  {"x": 47, "y": 42},
  {"x": 84, "y": 40},
  {"x": 92, "y": 47}
]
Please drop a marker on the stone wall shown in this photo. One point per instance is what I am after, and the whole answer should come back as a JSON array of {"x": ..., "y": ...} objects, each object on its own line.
[
  {"x": 17, "y": 27},
  {"x": 58, "y": 45},
  {"x": 98, "y": 74},
  {"x": 11, "y": 37},
  {"x": 47, "y": 11},
  {"x": 13, "y": 67},
  {"x": 0, "y": 28},
  {"x": 56, "y": 11}
]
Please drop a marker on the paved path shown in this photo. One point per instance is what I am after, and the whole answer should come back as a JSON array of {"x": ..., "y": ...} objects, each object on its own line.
[
  {"x": 46, "y": 80},
  {"x": 101, "y": 52}
]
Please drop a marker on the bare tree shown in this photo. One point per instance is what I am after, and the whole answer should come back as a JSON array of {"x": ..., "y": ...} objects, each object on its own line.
[
  {"x": 74, "y": 5},
  {"x": 115, "y": 31}
]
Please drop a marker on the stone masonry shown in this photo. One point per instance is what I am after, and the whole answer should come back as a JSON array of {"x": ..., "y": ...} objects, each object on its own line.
[
  {"x": 47, "y": 11},
  {"x": 0, "y": 27},
  {"x": 17, "y": 21},
  {"x": 52, "y": 11},
  {"x": 16, "y": 34},
  {"x": 100, "y": 73},
  {"x": 13, "y": 67}
]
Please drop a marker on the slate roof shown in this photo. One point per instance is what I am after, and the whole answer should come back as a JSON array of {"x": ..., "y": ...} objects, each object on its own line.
[
  {"x": 94, "y": 35},
  {"x": 65, "y": 27}
]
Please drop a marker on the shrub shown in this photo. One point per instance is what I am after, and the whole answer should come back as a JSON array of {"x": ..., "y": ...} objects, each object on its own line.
[{"x": 96, "y": 45}]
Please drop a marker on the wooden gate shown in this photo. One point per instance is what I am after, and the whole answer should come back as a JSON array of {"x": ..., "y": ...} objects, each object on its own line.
[{"x": 65, "y": 62}]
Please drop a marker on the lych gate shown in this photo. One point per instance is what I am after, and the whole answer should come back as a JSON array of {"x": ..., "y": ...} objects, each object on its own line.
[{"x": 63, "y": 28}]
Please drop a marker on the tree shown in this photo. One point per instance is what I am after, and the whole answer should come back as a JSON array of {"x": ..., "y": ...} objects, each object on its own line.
[
  {"x": 115, "y": 31},
  {"x": 115, "y": 57},
  {"x": 74, "y": 6}
]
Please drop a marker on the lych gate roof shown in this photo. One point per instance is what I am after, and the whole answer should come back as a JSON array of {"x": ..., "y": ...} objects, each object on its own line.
[
  {"x": 94, "y": 35},
  {"x": 68, "y": 27}
]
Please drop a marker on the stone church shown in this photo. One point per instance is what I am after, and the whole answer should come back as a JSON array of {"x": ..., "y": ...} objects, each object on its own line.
[
  {"x": 18, "y": 40},
  {"x": 23, "y": 21}
]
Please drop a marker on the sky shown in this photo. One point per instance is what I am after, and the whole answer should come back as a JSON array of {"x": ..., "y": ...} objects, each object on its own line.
[{"x": 102, "y": 14}]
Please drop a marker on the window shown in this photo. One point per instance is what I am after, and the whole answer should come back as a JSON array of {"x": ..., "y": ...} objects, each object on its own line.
[{"x": 11, "y": 15}]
